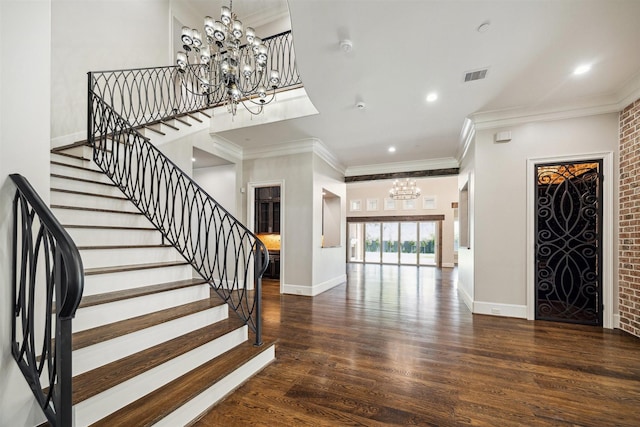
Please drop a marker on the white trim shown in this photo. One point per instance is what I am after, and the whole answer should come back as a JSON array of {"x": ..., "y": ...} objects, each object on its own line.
[
  {"x": 448, "y": 265},
  {"x": 308, "y": 145},
  {"x": 497, "y": 309},
  {"x": 607, "y": 230},
  {"x": 467, "y": 133},
  {"x": 466, "y": 298},
  {"x": 410, "y": 166},
  {"x": 616, "y": 321},
  {"x": 496, "y": 119},
  {"x": 312, "y": 291},
  {"x": 251, "y": 214},
  {"x": 233, "y": 151}
]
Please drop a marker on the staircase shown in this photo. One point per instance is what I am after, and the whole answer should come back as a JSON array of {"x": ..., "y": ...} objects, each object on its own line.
[{"x": 152, "y": 345}]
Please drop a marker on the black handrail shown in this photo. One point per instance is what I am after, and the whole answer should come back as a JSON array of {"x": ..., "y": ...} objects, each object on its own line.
[
  {"x": 40, "y": 346},
  {"x": 223, "y": 251}
]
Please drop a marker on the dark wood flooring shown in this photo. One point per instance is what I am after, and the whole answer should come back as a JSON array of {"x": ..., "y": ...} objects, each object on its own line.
[{"x": 397, "y": 346}]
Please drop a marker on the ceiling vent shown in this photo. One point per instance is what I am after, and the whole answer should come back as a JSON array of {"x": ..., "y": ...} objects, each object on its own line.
[{"x": 475, "y": 75}]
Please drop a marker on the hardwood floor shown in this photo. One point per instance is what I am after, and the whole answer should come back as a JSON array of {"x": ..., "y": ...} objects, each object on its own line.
[{"x": 396, "y": 346}]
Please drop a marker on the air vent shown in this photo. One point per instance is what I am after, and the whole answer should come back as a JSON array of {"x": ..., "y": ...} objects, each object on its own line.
[{"x": 475, "y": 75}]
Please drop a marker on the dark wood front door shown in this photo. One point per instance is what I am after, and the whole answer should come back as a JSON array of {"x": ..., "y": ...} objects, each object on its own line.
[{"x": 568, "y": 253}]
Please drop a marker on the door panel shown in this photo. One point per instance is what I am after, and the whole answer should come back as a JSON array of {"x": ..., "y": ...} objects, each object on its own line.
[{"x": 569, "y": 242}]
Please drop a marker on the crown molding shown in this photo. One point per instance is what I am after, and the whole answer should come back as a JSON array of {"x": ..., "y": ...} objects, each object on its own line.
[
  {"x": 307, "y": 145},
  {"x": 612, "y": 103},
  {"x": 410, "y": 166},
  {"x": 226, "y": 147}
]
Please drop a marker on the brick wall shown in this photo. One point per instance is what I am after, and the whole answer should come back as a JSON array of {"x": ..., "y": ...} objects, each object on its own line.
[{"x": 630, "y": 219}]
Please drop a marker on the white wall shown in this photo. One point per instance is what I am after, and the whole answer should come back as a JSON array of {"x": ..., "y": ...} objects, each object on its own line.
[
  {"x": 466, "y": 254},
  {"x": 329, "y": 265},
  {"x": 220, "y": 183},
  {"x": 500, "y": 199},
  {"x": 444, "y": 189},
  {"x": 296, "y": 172},
  {"x": 96, "y": 36},
  {"x": 25, "y": 56}
]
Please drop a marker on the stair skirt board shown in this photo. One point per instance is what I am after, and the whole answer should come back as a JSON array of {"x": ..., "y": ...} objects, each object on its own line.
[
  {"x": 91, "y": 357},
  {"x": 111, "y": 282},
  {"x": 103, "y": 404},
  {"x": 102, "y": 314},
  {"x": 214, "y": 394}
]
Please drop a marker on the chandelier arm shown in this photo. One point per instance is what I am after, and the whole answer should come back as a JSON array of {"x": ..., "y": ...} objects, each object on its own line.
[{"x": 250, "y": 110}]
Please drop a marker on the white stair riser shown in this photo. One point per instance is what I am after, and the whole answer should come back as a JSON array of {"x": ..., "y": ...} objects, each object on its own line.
[
  {"x": 102, "y": 353},
  {"x": 102, "y": 283},
  {"x": 79, "y": 173},
  {"x": 87, "y": 201},
  {"x": 76, "y": 217},
  {"x": 110, "y": 237},
  {"x": 92, "y": 258},
  {"x": 70, "y": 184},
  {"x": 201, "y": 403},
  {"x": 101, "y": 405},
  {"x": 102, "y": 314},
  {"x": 70, "y": 160}
]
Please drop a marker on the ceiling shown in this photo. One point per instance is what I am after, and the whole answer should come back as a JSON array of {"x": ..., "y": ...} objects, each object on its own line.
[{"x": 404, "y": 50}]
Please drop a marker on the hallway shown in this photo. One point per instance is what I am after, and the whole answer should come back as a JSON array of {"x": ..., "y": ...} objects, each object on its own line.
[{"x": 396, "y": 346}]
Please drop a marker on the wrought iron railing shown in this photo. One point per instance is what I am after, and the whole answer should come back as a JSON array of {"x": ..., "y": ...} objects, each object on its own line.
[
  {"x": 48, "y": 280},
  {"x": 150, "y": 95},
  {"x": 223, "y": 251}
]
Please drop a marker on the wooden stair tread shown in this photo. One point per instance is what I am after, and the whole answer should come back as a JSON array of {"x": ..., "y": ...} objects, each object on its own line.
[
  {"x": 85, "y": 193},
  {"x": 154, "y": 130},
  {"x": 90, "y": 181},
  {"x": 132, "y": 267},
  {"x": 123, "y": 327},
  {"x": 72, "y": 156},
  {"x": 90, "y": 383},
  {"x": 57, "y": 150},
  {"x": 91, "y": 300},
  {"x": 83, "y": 208},
  {"x": 154, "y": 406}
]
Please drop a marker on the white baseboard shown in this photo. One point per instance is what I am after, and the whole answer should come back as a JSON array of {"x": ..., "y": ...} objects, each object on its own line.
[
  {"x": 312, "y": 291},
  {"x": 497, "y": 309},
  {"x": 448, "y": 264},
  {"x": 616, "y": 321},
  {"x": 466, "y": 298},
  {"x": 59, "y": 141}
]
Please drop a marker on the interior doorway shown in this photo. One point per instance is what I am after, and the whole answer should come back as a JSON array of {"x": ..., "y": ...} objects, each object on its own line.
[
  {"x": 568, "y": 242},
  {"x": 265, "y": 217}
]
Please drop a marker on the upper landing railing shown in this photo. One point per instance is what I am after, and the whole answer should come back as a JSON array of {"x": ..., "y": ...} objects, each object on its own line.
[{"x": 150, "y": 95}]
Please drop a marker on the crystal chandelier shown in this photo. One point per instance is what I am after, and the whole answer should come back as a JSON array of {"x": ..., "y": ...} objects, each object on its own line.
[
  {"x": 404, "y": 190},
  {"x": 222, "y": 63}
]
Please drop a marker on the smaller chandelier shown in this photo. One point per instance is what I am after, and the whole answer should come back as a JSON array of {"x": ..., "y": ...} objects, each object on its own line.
[
  {"x": 404, "y": 190},
  {"x": 222, "y": 63}
]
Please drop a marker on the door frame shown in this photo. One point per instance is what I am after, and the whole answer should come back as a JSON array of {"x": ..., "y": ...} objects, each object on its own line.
[
  {"x": 251, "y": 216},
  {"x": 607, "y": 183}
]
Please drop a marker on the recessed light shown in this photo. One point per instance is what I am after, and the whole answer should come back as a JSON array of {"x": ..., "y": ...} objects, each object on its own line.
[
  {"x": 432, "y": 97},
  {"x": 193, "y": 159},
  {"x": 484, "y": 27},
  {"x": 392, "y": 149},
  {"x": 582, "y": 69}
]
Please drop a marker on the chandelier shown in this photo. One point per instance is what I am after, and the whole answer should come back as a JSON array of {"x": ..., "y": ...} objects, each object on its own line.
[
  {"x": 404, "y": 190},
  {"x": 220, "y": 62}
]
